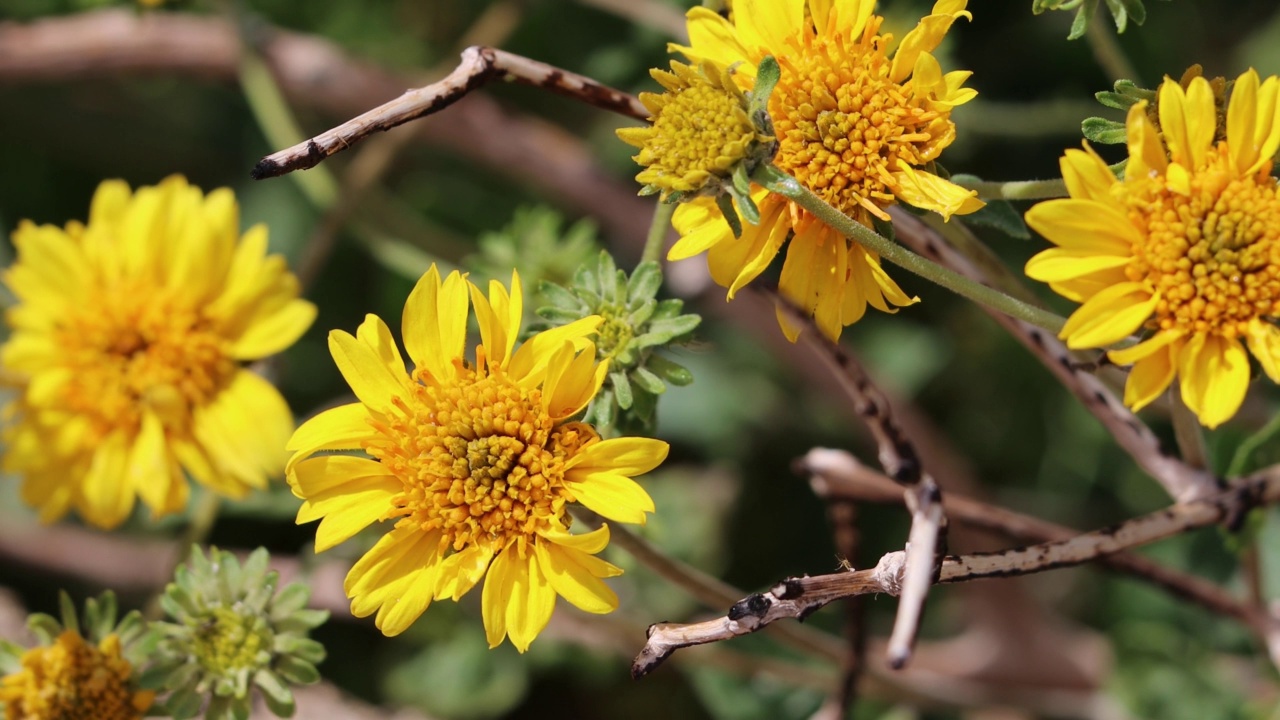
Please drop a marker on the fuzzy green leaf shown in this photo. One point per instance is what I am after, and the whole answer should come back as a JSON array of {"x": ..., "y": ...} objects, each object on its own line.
[
  {"x": 669, "y": 371},
  {"x": 621, "y": 389},
  {"x": 647, "y": 381},
  {"x": 1103, "y": 131},
  {"x": 1002, "y": 216},
  {"x": 645, "y": 281},
  {"x": 562, "y": 299},
  {"x": 1116, "y": 100},
  {"x": 725, "y": 203}
]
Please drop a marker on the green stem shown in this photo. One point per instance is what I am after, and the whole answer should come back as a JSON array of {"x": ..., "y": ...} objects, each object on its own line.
[
  {"x": 1107, "y": 51},
  {"x": 1016, "y": 190},
  {"x": 1187, "y": 432},
  {"x": 777, "y": 181},
  {"x": 203, "y": 517},
  {"x": 657, "y": 236}
]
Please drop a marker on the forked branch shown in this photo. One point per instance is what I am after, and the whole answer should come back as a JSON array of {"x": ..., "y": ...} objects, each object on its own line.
[
  {"x": 479, "y": 65},
  {"x": 799, "y": 597}
]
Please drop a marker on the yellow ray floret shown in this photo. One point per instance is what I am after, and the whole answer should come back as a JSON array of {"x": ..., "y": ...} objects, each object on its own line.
[
  {"x": 129, "y": 344},
  {"x": 1185, "y": 251},
  {"x": 474, "y": 464}
]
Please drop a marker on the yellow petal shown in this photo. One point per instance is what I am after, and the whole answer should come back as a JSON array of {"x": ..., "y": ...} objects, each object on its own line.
[
  {"x": 434, "y": 326},
  {"x": 1187, "y": 120},
  {"x": 802, "y": 278},
  {"x": 499, "y": 317},
  {"x": 625, "y": 456},
  {"x": 1242, "y": 119},
  {"x": 572, "y": 381},
  {"x": 613, "y": 496},
  {"x": 820, "y": 10},
  {"x": 375, "y": 334},
  {"x": 1266, "y": 133},
  {"x": 701, "y": 226},
  {"x": 1150, "y": 377},
  {"x": 1146, "y": 153},
  {"x": 499, "y": 586},
  {"x": 106, "y": 497},
  {"x": 1146, "y": 348},
  {"x": 766, "y": 24},
  {"x": 529, "y": 364},
  {"x": 588, "y": 542},
  {"x": 576, "y": 575},
  {"x": 1263, "y": 339},
  {"x": 531, "y": 602},
  {"x": 1087, "y": 176},
  {"x": 461, "y": 571},
  {"x": 1215, "y": 376},
  {"x": 734, "y": 264},
  {"x": 1057, "y": 264},
  {"x": 273, "y": 333},
  {"x": 348, "y": 492},
  {"x": 153, "y": 472},
  {"x": 930, "y": 192},
  {"x": 926, "y": 36},
  {"x": 341, "y": 428},
  {"x": 1109, "y": 317},
  {"x": 365, "y": 371},
  {"x": 1084, "y": 225},
  {"x": 246, "y": 428},
  {"x": 1082, "y": 288},
  {"x": 711, "y": 37}
]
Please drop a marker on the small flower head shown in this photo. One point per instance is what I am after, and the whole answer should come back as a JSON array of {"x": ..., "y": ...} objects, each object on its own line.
[
  {"x": 73, "y": 674},
  {"x": 702, "y": 132},
  {"x": 128, "y": 347},
  {"x": 1185, "y": 250},
  {"x": 635, "y": 326},
  {"x": 474, "y": 464},
  {"x": 231, "y": 631},
  {"x": 856, "y": 125}
]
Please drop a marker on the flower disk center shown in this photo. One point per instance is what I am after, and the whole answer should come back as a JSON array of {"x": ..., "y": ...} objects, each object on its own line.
[
  {"x": 1213, "y": 254},
  {"x": 226, "y": 641},
  {"x": 130, "y": 351},
  {"x": 843, "y": 125},
  {"x": 480, "y": 460}
]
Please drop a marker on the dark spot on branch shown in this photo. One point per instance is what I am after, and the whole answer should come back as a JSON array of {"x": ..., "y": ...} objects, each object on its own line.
[
  {"x": 1037, "y": 338},
  {"x": 753, "y": 605},
  {"x": 788, "y": 589},
  {"x": 266, "y": 168}
]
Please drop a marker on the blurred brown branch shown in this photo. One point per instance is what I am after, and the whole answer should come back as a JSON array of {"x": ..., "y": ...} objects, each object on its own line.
[{"x": 317, "y": 74}]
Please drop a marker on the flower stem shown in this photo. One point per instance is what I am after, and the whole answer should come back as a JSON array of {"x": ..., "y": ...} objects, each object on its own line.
[
  {"x": 1107, "y": 51},
  {"x": 777, "y": 181},
  {"x": 1015, "y": 190},
  {"x": 1187, "y": 432},
  {"x": 657, "y": 231},
  {"x": 203, "y": 517}
]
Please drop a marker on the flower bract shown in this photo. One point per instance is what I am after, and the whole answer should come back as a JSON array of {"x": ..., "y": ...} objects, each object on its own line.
[
  {"x": 858, "y": 127},
  {"x": 230, "y": 632},
  {"x": 129, "y": 340},
  {"x": 1185, "y": 250},
  {"x": 475, "y": 464}
]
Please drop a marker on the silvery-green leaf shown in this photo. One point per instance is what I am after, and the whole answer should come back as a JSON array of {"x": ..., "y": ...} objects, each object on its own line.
[
  {"x": 647, "y": 381},
  {"x": 621, "y": 389},
  {"x": 645, "y": 281},
  {"x": 669, "y": 371}
]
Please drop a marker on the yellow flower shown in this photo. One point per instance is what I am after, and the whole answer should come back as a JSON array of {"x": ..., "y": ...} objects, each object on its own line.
[
  {"x": 128, "y": 344},
  {"x": 701, "y": 131},
  {"x": 476, "y": 464},
  {"x": 855, "y": 126},
  {"x": 1185, "y": 248},
  {"x": 71, "y": 678}
]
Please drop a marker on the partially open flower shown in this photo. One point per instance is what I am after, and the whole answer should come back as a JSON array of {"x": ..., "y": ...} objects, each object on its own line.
[
  {"x": 702, "y": 132},
  {"x": 75, "y": 674},
  {"x": 231, "y": 632}
]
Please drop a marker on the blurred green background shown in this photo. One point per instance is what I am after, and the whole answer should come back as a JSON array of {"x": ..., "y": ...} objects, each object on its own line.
[{"x": 111, "y": 105}]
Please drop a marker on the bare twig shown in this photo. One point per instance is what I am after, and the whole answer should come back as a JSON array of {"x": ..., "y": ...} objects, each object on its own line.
[
  {"x": 317, "y": 74},
  {"x": 1183, "y": 482},
  {"x": 479, "y": 65},
  {"x": 897, "y": 455},
  {"x": 799, "y": 597}
]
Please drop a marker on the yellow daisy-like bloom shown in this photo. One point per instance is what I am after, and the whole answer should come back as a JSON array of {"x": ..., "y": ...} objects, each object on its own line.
[
  {"x": 1186, "y": 247},
  {"x": 128, "y": 344},
  {"x": 701, "y": 130},
  {"x": 74, "y": 680},
  {"x": 475, "y": 463},
  {"x": 857, "y": 127}
]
